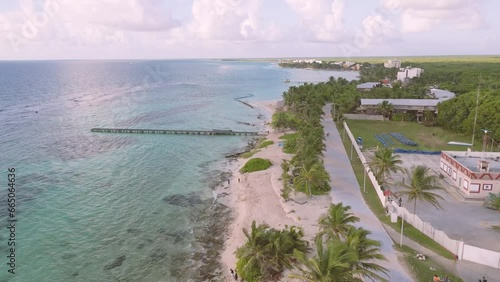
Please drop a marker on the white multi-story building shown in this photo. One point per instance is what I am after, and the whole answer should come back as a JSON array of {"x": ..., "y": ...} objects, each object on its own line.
[
  {"x": 409, "y": 73},
  {"x": 393, "y": 64}
]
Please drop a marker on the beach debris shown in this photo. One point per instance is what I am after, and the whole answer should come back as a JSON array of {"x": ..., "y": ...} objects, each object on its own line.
[
  {"x": 116, "y": 263},
  {"x": 421, "y": 257}
]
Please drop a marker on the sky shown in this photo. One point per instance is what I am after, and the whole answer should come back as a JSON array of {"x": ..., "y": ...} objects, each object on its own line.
[{"x": 170, "y": 29}]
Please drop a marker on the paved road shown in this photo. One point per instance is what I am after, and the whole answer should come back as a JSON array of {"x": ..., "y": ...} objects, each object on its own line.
[{"x": 345, "y": 188}]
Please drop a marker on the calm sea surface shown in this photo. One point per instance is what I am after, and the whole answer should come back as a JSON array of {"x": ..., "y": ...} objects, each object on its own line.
[{"x": 118, "y": 207}]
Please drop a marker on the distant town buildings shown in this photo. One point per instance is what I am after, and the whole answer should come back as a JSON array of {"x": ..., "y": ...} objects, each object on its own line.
[
  {"x": 474, "y": 174},
  {"x": 393, "y": 64},
  {"x": 404, "y": 74},
  {"x": 347, "y": 65}
]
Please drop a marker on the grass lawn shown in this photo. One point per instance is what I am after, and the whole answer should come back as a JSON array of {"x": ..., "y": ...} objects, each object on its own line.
[
  {"x": 423, "y": 269},
  {"x": 428, "y": 138},
  {"x": 374, "y": 204}
]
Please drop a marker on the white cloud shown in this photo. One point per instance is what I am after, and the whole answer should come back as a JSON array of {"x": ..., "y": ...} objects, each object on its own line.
[
  {"x": 229, "y": 20},
  {"x": 321, "y": 20},
  {"x": 423, "y": 15},
  {"x": 89, "y": 23}
]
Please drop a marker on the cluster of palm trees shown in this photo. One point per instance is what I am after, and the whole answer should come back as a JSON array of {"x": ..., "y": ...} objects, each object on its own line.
[
  {"x": 304, "y": 111},
  {"x": 421, "y": 182},
  {"x": 268, "y": 252},
  {"x": 343, "y": 252}
]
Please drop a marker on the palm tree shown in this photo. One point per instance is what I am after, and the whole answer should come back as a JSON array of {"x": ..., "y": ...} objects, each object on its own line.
[
  {"x": 311, "y": 175},
  {"x": 336, "y": 223},
  {"x": 368, "y": 252},
  {"x": 383, "y": 162},
  {"x": 268, "y": 252},
  {"x": 420, "y": 187},
  {"x": 252, "y": 255},
  {"x": 331, "y": 264},
  {"x": 385, "y": 108}
]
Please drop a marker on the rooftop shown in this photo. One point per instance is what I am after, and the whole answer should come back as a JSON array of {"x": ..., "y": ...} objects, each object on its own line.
[
  {"x": 470, "y": 159},
  {"x": 442, "y": 94},
  {"x": 367, "y": 85},
  {"x": 402, "y": 102}
]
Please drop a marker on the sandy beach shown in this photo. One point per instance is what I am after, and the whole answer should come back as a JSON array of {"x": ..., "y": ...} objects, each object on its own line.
[{"x": 256, "y": 196}]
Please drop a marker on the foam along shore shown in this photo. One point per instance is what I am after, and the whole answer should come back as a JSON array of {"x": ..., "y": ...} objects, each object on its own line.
[{"x": 256, "y": 196}]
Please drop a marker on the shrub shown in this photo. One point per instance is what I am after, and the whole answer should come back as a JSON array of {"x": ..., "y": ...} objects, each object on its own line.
[
  {"x": 290, "y": 146},
  {"x": 256, "y": 165},
  {"x": 287, "y": 187},
  {"x": 493, "y": 201},
  {"x": 265, "y": 144},
  {"x": 248, "y": 154}
]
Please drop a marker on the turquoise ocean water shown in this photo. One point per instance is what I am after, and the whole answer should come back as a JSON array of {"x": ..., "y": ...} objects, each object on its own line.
[{"x": 117, "y": 207}]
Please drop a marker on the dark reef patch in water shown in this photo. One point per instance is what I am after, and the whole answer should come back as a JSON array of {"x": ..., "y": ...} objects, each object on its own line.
[
  {"x": 183, "y": 200},
  {"x": 68, "y": 256},
  {"x": 116, "y": 263},
  {"x": 210, "y": 240},
  {"x": 83, "y": 146}
]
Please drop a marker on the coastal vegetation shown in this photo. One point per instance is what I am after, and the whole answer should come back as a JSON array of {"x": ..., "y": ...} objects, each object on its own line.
[
  {"x": 268, "y": 252},
  {"x": 302, "y": 113},
  {"x": 343, "y": 252},
  {"x": 349, "y": 253},
  {"x": 383, "y": 163},
  {"x": 287, "y": 185},
  {"x": 256, "y": 164},
  {"x": 314, "y": 64},
  {"x": 335, "y": 223},
  {"x": 283, "y": 120},
  {"x": 420, "y": 187},
  {"x": 264, "y": 144},
  {"x": 493, "y": 201}
]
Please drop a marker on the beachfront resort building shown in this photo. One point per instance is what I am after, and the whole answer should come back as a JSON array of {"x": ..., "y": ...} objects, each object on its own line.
[
  {"x": 393, "y": 64},
  {"x": 404, "y": 74},
  {"x": 473, "y": 174}
]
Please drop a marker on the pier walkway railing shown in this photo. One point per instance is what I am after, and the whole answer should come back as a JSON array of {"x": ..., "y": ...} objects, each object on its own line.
[{"x": 177, "y": 131}]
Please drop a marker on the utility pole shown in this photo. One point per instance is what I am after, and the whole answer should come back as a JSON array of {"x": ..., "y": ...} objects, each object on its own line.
[
  {"x": 402, "y": 222},
  {"x": 475, "y": 114}
]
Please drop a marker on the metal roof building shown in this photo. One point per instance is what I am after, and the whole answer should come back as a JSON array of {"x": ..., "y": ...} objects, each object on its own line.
[
  {"x": 367, "y": 86},
  {"x": 411, "y": 104}
]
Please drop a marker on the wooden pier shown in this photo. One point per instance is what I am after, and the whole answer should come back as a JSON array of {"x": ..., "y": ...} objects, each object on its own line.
[{"x": 179, "y": 131}]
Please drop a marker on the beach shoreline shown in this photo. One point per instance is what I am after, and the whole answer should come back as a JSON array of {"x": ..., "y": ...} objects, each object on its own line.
[{"x": 256, "y": 196}]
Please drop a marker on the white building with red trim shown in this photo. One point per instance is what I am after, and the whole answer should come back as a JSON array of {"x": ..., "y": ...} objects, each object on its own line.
[{"x": 475, "y": 174}]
